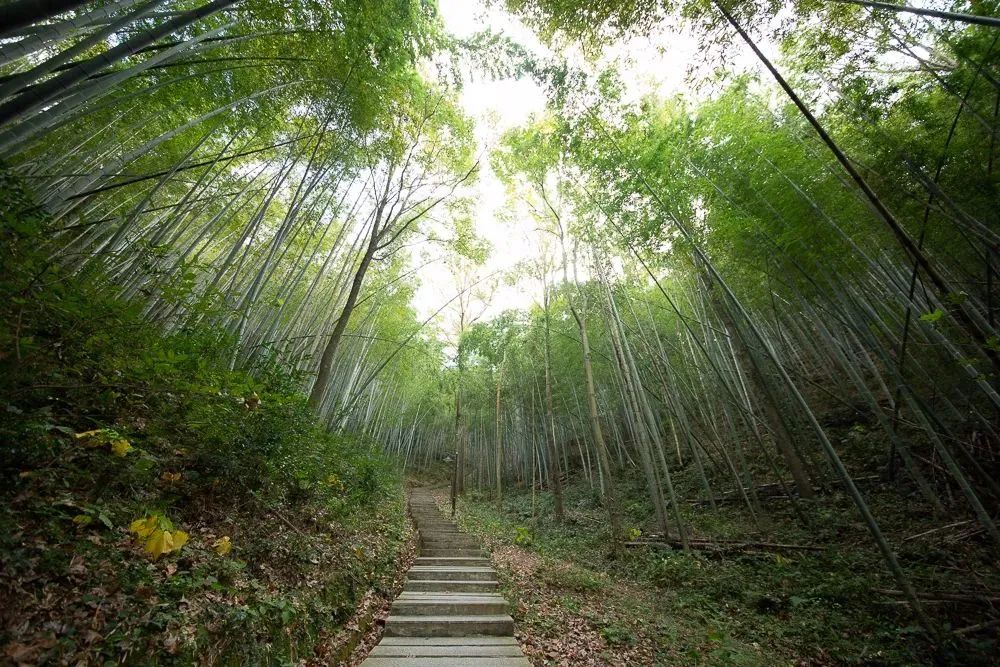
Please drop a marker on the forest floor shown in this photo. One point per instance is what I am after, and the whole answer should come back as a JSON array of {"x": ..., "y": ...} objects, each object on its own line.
[
  {"x": 575, "y": 603},
  {"x": 158, "y": 507},
  {"x": 299, "y": 582}
]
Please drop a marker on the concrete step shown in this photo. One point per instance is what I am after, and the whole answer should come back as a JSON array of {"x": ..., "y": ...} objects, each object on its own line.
[
  {"x": 432, "y": 522},
  {"x": 453, "y": 553},
  {"x": 448, "y": 546},
  {"x": 463, "y": 650},
  {"x": 453, "y": 651},
  {"x": 496, "y": 625},
  {"x": 448, "y": 573},
  {"x": 450, "y": 613},
  {"x": 457, "y": 604},
  {"x": 459, "y": 539},
  {"x": 446, "y": 586},
  {"x": 464, "y": 561},
  {"x": 449, "y": 641},
  {"x": 442, "y": 533},
  {"x": 447, "y": 662},
  {"x": 425, "y": 524}
]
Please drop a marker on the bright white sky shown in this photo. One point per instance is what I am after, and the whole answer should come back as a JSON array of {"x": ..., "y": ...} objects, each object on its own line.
[
  {"x": 657, "y": 64},
  {"x": 495, "y": 106}
]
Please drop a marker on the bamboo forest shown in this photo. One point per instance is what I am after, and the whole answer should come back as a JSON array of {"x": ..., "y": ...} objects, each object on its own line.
[{"x": 499, "y": 332}]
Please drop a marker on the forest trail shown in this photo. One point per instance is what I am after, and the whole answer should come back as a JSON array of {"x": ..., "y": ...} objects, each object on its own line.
[
  {"x": 450, "y": 612},
  {"x": 705, "y": 340}
]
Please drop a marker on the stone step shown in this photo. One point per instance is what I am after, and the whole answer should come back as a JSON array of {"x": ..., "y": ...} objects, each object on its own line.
[
  {"x": 459, "y": 538},
  {"x": 448, "y": 546},
  {"x": 450, "y": 613},
  {"x": 449, "y": 641},
  {"x": 455, "y": 553},
  {"x": 464, "y": 561},
  {"x": 447, "y": 650},
  {"x": 457, "y": 604},
  {"x": 425, "y": 524},
  {"x": 445, "y": 586},
  {"x": 449, "y": 573},
  {"x": 447, "y": 662},
  {"x": 449, "y": 625},
  {"x": 442, "y": 532}
]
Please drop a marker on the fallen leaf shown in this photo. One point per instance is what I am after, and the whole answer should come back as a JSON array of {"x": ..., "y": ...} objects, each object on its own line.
[
  {"x": 159, "y": 543},
  {"x": 121, "y": 447},
  {"x": 144, "y": 527},
  {"x": 223, "y": 545},
  {"x": 180, "y": 538}
]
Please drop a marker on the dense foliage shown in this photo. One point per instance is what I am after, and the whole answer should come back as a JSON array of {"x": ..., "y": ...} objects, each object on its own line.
[
  {"x": 762, "y": 311},
  {"x": 108, "y": 421}
]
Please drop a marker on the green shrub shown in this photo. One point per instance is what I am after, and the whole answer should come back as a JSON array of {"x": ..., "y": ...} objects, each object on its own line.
[{"x": 314, "y": 519}]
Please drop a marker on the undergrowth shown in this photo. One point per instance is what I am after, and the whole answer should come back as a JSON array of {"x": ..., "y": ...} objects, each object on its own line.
[
  {"x": 735, "y": 605},
  {"x": 264, "y": 530}
]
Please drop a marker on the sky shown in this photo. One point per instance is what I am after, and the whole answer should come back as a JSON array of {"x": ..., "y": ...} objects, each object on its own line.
[
  {"x": 657, "y": 64},
  {"x": 495, "y": 106}
]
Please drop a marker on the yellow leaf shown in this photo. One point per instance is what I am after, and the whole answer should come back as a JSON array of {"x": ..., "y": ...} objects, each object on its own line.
[
  {"x": 95, "y": 438},
  {"x": 121, "y": 447},
  {"x": 159, "y": 543},
  {"x": 171, "y": 477},
  {"x": 223, "y": 545},
  {"x": 82, "y": 519},
  {"x": 144, "y": 527},
  {"x": 180, "y": 538}
]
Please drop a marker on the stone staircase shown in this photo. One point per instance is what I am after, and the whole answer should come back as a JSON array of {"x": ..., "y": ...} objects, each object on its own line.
[{"x": 450, "y": 613}]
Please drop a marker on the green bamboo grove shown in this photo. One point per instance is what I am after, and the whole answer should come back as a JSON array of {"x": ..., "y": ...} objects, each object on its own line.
[{"x": 775, "y": 290}]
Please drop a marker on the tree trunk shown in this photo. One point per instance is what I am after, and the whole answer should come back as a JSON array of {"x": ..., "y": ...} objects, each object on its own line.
[
  {"x": 23, "y": 13},
  {"x": 498, "y": 443},
  {"x": 329, "y": 352},
  {"x": 554, "y": 472},
  {"x": 41, "y": 94},
  {"x": 610, "y": 495}
]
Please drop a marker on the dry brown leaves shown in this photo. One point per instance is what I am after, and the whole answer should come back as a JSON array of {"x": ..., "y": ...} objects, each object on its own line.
[
  {"x": 578, "y": 642},
  {"x": 350, "y": 645}
]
